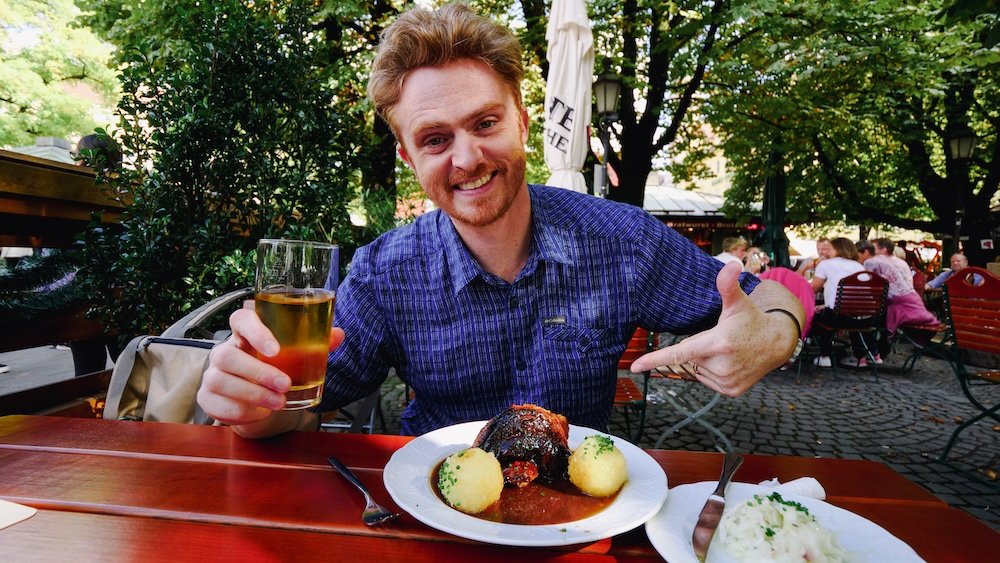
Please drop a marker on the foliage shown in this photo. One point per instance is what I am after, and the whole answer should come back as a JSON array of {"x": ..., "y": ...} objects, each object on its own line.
[
  {"x": 42, "y": 57},
  {"x": 863, "y": 100},
  {"x": 230, "y": 135}
]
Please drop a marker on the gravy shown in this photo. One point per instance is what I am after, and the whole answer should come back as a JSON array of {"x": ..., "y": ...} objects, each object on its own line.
[{"x": 538, "y": 503}]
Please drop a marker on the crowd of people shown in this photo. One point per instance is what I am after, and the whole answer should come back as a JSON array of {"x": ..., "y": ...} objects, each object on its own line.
[{"x": 840, "y": 257}]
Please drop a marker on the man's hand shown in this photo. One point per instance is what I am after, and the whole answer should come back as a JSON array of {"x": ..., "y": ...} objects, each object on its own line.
[
  {"x": 746, "y": 343},
  {"x": 243, "y": 391}
]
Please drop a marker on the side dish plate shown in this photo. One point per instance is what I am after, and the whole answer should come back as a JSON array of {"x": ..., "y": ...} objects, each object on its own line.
[
  {"x": 407, "y": 477},
  {"x": 670, "y": 529}
]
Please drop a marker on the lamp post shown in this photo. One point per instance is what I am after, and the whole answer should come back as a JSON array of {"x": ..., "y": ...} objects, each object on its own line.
[
  {"x": 607, "y": 92},
  {"x": 961, "y": 141}
]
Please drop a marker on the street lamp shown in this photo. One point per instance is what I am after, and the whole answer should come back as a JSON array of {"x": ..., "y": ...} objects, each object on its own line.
[
  {"x": 607, "y": 92},
  {"x": 961, "y": 144}
]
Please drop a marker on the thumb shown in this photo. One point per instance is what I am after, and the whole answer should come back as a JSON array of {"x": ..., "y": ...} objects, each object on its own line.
[
  {"x": 336, "y": 338},
  {"x": 728, "y": 282}
]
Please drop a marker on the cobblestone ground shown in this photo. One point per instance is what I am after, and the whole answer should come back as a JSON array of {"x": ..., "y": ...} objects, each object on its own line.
[{"x": 903, "y": 421}]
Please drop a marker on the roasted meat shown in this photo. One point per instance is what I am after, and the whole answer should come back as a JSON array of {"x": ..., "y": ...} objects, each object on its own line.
[{"x": 529, "y": 442}]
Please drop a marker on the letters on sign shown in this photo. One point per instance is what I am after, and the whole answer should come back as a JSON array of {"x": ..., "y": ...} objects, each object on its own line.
[{"x": 560, "y": 117}]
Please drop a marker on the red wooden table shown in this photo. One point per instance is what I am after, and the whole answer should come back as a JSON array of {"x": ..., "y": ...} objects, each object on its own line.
[{"x": 127, "y": 491}]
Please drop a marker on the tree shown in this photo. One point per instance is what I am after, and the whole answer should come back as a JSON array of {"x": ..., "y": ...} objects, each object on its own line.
[
  {"x": 42, "y": 57},
  {"x": 230, "y": 134},
  {"x": 864, "y": 101}
]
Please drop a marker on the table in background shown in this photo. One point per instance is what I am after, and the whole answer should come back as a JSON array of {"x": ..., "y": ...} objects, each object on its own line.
[{"x": 127, "y": 491}]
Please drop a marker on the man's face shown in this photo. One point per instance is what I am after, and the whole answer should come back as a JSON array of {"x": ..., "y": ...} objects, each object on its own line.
[
  {"x": 864, "y": 254},
  {"x": 824, "y": 249},
  {"x": 959, "y": 261},
  {"x": 463, "y": 134}
]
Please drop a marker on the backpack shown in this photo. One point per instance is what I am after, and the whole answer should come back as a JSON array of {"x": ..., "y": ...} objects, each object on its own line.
[{"x": 156, "y": 378}]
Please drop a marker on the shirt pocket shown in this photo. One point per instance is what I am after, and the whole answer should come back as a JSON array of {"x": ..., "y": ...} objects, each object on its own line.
[
  {"x": 580, "y": 364},
  {"x": 578, "y": 339}
]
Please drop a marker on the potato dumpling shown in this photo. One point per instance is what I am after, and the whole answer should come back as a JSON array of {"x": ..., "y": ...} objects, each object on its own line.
[
  {"x": 471, "y": 480},
  {"x": 597, "y": 467}
]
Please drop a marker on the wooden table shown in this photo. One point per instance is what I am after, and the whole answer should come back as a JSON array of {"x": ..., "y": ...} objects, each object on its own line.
[{"x": 128, "y": 491}]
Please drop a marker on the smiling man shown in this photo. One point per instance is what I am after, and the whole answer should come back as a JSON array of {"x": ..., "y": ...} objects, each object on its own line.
[{"x": 508, "y": 293}]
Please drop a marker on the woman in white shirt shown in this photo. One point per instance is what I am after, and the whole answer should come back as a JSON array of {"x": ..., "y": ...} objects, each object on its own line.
[{"x": 828, "y": 274}]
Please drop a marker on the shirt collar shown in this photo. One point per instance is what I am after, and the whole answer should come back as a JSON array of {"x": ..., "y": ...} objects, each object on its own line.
[{"x": 549, "y": 244}]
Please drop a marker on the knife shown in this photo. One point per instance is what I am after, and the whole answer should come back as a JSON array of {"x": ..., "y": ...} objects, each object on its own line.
[{"x": 711, "y": 513}]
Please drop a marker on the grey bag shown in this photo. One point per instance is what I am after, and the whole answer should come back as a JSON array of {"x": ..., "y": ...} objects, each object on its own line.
[{"x": 156, "y": 378}]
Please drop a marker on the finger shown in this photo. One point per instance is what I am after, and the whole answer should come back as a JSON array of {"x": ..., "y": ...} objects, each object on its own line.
[
  {"x": 231, "y": 361},
  {"x": 336, "y": 338},
  {"x": 695, "y": 348},
  {"x": 250, "y": 331},
  {"x": 229, "y": 411}
]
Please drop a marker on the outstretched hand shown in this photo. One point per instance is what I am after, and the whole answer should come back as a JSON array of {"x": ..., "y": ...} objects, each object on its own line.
[{"x": 744, "y": 345}]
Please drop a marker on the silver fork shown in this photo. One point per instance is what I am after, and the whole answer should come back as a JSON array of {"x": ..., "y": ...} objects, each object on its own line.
[{"x": 374, "y": 512}]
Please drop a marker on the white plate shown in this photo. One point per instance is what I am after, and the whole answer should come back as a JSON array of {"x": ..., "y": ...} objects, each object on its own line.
[
  {"x": 670, "y": 530},
  {"x": 407, "y": 477}
]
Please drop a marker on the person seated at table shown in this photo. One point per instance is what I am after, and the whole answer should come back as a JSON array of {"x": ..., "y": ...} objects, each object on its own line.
[
  {"x": 823, "y": 250},
  {"x": 958, "y": 263},
  {"x": 866, "y": 250},
  {"x": 829, "y": 272},
  {"x": 734, "y": 249},
  {"x": 508, "y": 292},
  {"x": 756, "y": 260},
  {"x": 904, "y": 305}
]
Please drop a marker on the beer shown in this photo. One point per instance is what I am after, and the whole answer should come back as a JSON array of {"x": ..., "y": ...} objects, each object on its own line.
[{"x": 300, "y": 320}]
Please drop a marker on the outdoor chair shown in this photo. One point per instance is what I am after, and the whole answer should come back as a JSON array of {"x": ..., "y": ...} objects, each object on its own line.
[
  {"x": 628, "y": 397},
  {"x": 859, "y": 310},
  {"x": 974, "y": 315}
]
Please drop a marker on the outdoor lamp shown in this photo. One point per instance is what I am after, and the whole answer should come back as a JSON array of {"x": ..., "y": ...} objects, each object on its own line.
[
  {"x": 961, "y": 142},
  {"x": 607, "y": 91}
]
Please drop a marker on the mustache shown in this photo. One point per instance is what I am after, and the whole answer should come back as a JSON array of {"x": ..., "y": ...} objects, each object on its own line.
[{"x": 488, "y": 167}]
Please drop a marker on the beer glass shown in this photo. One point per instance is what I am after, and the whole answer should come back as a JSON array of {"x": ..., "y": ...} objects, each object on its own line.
[{"x": 293, "y": 301}]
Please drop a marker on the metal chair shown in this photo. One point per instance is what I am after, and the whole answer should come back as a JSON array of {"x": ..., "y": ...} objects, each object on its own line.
[
  {"x": 972, "y": 300},
  {"x": 357, "y": 417},
  {"x": 859, "y": 310}
]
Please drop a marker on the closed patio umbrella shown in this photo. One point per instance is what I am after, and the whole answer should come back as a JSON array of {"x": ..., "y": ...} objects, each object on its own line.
[{"x": 567, "y": 93}]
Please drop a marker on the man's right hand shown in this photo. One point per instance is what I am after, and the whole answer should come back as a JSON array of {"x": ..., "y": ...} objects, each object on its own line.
[{"x": 243, "y": 391}]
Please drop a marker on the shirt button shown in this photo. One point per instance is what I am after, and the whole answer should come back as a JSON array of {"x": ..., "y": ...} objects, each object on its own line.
[
  {"x": 521, "y": 366},
  {"x": 513, "y": 302}
]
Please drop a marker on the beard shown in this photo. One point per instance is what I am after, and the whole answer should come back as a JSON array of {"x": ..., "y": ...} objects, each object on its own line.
[{"x": 483, "y": 211}]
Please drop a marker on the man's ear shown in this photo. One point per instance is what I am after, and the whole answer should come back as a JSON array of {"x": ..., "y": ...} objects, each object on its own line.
[{"x": 401, "y": 150}]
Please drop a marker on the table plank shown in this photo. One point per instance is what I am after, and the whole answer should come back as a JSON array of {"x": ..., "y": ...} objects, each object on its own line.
[{"x": 74, "y": 536}]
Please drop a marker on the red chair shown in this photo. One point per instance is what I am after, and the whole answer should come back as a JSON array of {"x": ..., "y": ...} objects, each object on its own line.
[
  {"x": 859, "y": 310},
  {"x": 972, "y": 300},
  {"x": 628, "y": 396}
]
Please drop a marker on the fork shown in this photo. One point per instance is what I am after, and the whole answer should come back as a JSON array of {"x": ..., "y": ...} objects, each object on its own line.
[{"x": 374, "y": 512}]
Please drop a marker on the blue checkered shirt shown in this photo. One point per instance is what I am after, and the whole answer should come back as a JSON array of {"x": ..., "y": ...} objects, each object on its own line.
[{"x": 470, "y": 344}]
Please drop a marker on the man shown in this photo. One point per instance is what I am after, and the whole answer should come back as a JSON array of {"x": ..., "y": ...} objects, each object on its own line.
[
  {"x": 866, "y": 250},
  {"x": 508, "y": 293},
  {"x": 824, "y": 250},
  {"x": 958, "y": 263},
  {"x": 734, "y": 249}
]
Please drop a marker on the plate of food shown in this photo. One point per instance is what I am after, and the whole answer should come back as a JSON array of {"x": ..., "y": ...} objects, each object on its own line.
[
  {"x": 516, "y": 480},
  {"x": 760, "y": 524}
]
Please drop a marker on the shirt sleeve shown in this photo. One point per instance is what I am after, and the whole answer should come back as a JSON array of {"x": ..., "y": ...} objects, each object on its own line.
[
  {"x": 360, "y": 365},
  {"x": 675, "y": 289}
]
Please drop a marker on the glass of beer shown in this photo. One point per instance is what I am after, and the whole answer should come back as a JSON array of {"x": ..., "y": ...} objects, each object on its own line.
[{"x": 295, "y": 293}]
